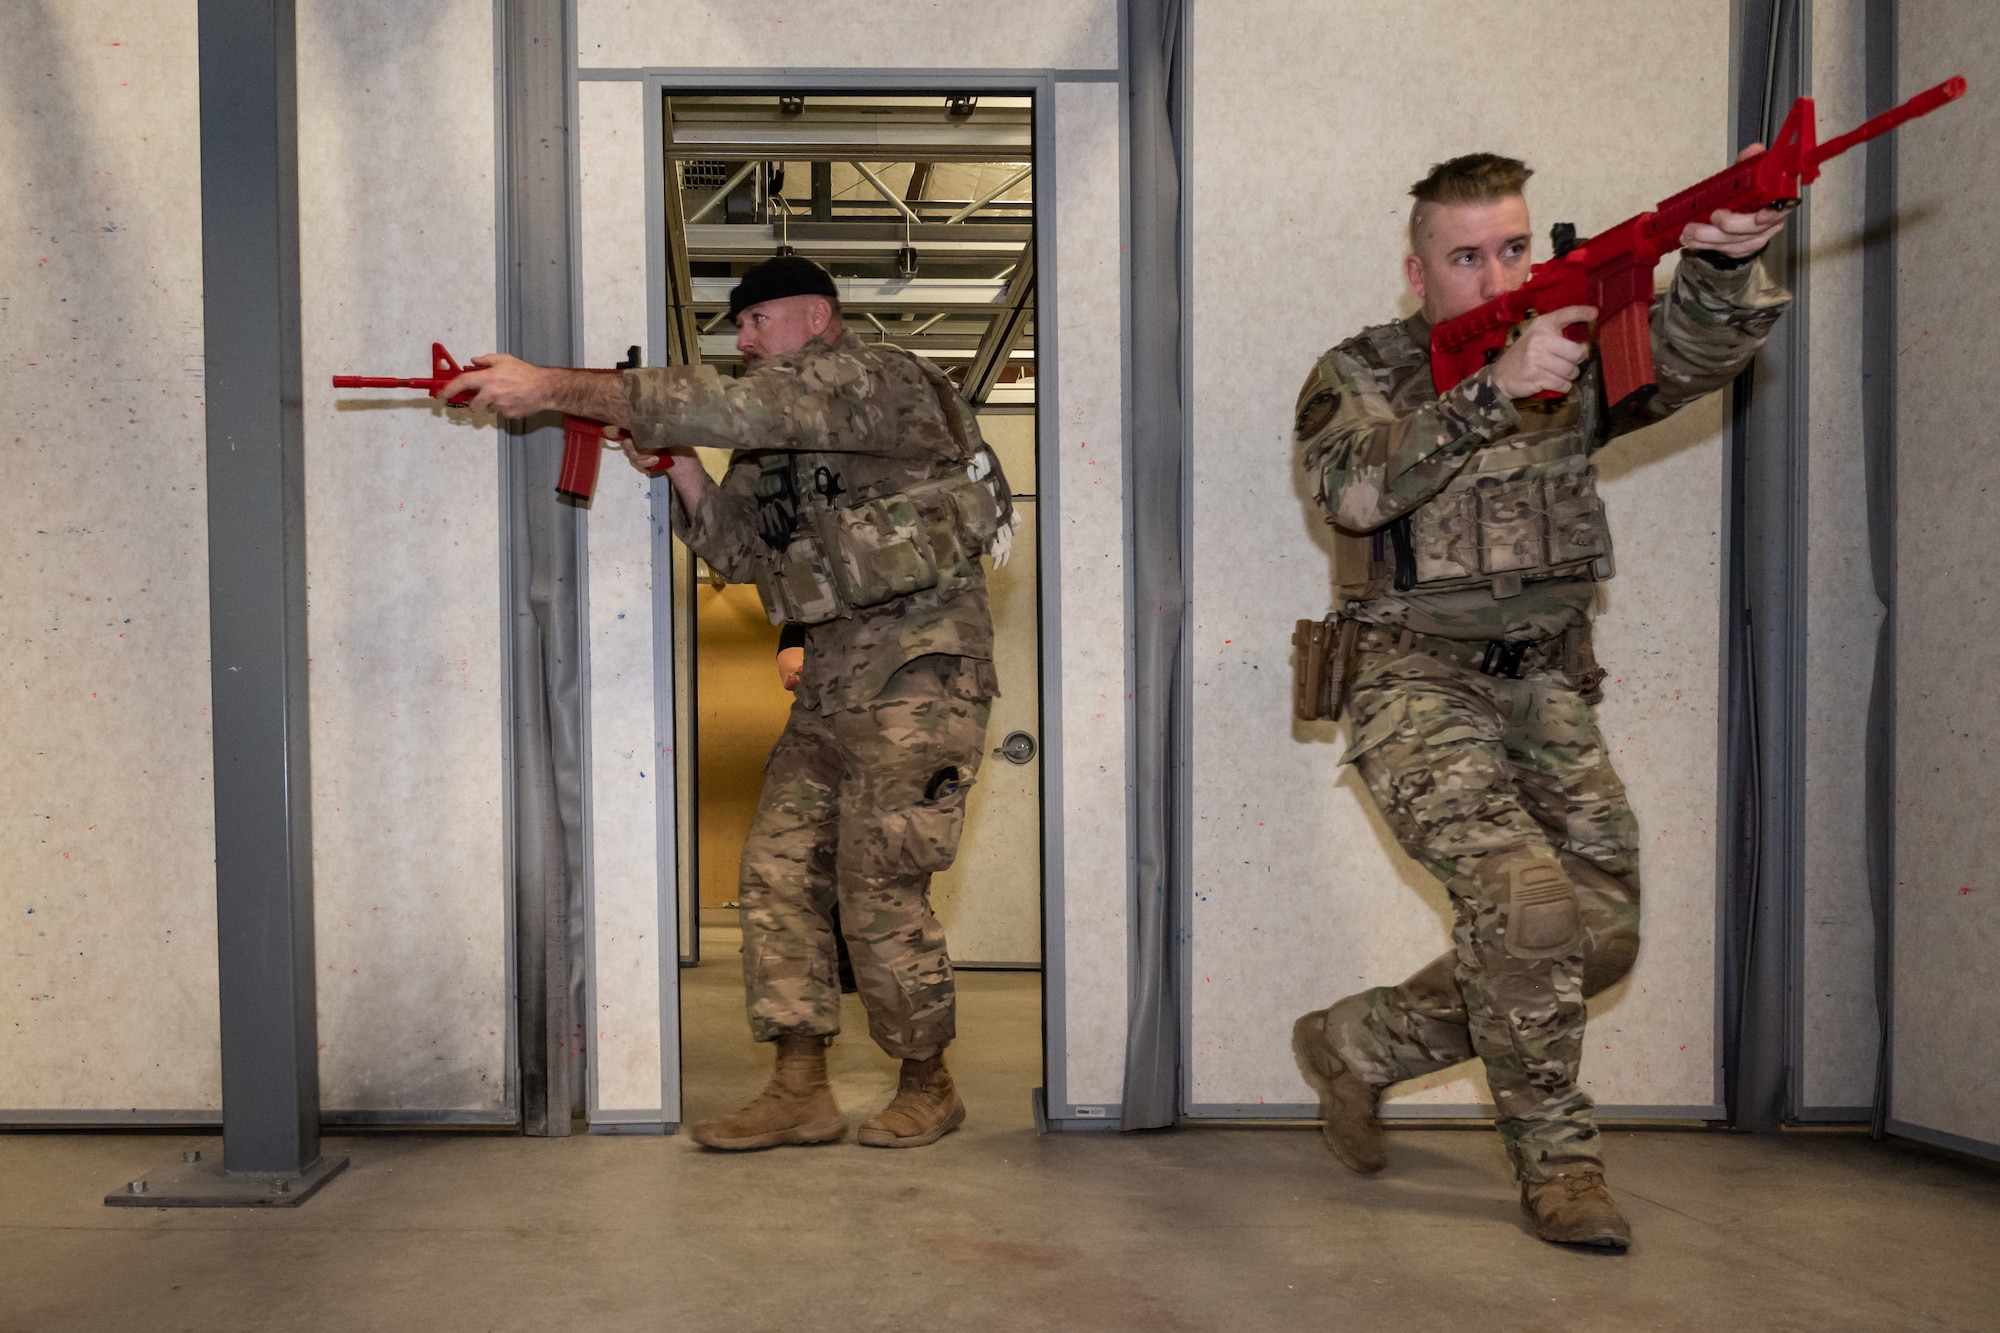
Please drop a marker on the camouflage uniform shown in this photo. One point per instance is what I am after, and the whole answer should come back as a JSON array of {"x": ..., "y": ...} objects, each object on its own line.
[
  {"x": 864, "y": 795},
  {"x": 1472, "y": 701}
]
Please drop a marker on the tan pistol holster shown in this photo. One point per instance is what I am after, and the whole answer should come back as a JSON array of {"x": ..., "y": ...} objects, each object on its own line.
[
  {"x": 1322, "y": 657},
  {"x": 855, "y": 550}
]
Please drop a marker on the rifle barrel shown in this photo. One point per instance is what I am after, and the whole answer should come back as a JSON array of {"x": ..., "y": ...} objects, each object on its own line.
[
  {"x": 1922, "y": 104},
  {"x": 383, "y": 382}
]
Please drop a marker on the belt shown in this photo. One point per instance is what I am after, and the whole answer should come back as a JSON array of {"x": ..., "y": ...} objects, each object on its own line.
[{"x": 1492, "y": 657}]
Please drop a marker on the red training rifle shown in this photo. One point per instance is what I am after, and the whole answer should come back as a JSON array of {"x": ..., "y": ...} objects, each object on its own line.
[
  {"x": 1613, "y": 270},
  {"x": 583, "y": 439}
]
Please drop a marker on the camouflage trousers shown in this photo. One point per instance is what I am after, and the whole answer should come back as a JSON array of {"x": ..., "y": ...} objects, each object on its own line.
[
  {"x": 859, "y": 807},
  {"x": 1503, "y": 789}
]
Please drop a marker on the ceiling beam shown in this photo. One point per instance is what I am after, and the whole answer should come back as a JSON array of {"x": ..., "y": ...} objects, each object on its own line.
[
  {"x": 997, "y": 348},
  {"x": 736, "y": 129},
  {"x": 683, "y": 337},
  {"x": 859, "y": 243},
  {"x": 885, "y": 295}
]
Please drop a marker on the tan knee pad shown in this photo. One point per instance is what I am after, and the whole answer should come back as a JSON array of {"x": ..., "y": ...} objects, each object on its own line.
[{"x": 1538, "y": 908}]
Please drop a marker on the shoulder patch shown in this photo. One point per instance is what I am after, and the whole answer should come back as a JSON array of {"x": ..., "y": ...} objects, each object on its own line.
[{"x": 1315, "y": 412}]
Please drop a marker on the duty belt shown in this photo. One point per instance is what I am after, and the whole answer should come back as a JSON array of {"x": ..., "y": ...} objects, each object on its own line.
[{"x": 1492, "y": 657}]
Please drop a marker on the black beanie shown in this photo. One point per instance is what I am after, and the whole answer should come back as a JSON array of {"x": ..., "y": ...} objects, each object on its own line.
[{"x": 786, "y": 275}]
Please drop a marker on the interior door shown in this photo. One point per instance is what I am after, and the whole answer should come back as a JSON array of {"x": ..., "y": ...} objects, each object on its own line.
[{"x": 990, "y": 901}]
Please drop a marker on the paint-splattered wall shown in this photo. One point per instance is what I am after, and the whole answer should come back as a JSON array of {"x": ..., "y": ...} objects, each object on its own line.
[
  {"x": 107, "y": 870},
  {"x": 1947, "y": 910},
  {"x": 396, "y": 226},
  {"x": 1310, "y": 121}
]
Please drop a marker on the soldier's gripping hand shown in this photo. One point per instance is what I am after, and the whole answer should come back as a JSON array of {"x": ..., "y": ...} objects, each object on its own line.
[
  {"x": 690, "y": 480},
  {"x": 1543, "y": 359},
  {"x": 511, "y": 387},
  {"x": 1738, "y": 235},
  {"x": 502, "y": 384}
]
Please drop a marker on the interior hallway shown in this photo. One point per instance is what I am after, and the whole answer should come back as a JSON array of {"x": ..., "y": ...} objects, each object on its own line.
[{"x": 995, "y": 1227}]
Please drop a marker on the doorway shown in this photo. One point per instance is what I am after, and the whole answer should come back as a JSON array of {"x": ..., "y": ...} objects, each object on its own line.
[{"x": 922, "y": 207}]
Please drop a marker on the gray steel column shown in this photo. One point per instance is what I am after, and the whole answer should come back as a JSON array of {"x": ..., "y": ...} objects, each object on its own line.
[
  {"x": 1764, "y": 649},
  {"x": 257, "y": 585},
  {"x": 537, "y": 322},
  {"x": 257, "y": 624}
]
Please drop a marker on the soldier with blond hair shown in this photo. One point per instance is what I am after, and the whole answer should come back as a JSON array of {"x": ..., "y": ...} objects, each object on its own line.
[{"x": 1470, "y": 539}]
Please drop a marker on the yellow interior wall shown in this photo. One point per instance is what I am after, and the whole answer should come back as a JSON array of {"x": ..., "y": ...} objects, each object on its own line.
[{"x": 740, "y": 709}]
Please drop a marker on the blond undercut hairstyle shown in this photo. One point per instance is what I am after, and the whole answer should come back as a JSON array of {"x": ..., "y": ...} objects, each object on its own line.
[{"x": 1476, "y": 178}]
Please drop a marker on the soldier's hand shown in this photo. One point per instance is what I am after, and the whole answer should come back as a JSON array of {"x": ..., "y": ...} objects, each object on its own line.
[
  {"x": 1738, "y": 235},
  {"x": 1543, "y": 359},
  {"x": 639, "y": 458},
  {"x": 791, "y": 666},
  {"x": 502, "y": 384},
  {"x": 689, "y": 478}
]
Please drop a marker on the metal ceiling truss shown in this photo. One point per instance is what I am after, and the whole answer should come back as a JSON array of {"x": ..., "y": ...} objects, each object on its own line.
[
  {"x": 735, "y": 129},
  {"x": 952, "y": 280}
]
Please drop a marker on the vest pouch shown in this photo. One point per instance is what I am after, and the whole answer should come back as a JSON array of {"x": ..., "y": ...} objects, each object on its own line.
[
  {"x": 796, "y": 587},
  {"x": 1361, "y": 563},
  {"x": 980, "y": 508},
  {"x": 1577, "y": 528},
  {"x": 957, "y": 559},
  {"x": 1444, "y": 537},
  {"x": 1510, "y": 524},
  {"x": 877, "y": 550}
]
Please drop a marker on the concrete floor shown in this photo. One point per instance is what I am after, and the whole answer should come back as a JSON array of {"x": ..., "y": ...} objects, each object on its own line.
[{"x": 995, "y": 1227}]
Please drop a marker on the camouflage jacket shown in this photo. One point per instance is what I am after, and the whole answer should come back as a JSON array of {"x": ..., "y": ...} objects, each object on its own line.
[
  {"x": 1380, "y": 443},
  {"x": 863, "y": 418}
]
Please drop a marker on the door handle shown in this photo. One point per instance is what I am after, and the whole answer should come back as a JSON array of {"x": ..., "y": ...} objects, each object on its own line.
[{"x": 1018, "y": 748}]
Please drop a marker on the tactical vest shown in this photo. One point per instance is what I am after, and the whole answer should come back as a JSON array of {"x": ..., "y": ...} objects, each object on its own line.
[
  {"x": 1522, "y": 509},
  {"x": 859, "y": 533}
]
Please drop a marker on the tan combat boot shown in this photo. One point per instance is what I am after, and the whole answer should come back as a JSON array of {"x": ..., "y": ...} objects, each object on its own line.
[
  {"x": 1346, "y": 1104},
  {"x": 795, "y": 1107},
  {"x": 1575, "y": 1209},
  {"x": 925, "y": 1108}
]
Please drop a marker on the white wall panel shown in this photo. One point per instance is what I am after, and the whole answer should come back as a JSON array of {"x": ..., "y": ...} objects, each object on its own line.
[
  {"x": 769, "y": 34},
  {"x": 396, "y": 202},
  {"x": 1947, "y": 916},
  {"x": 626, "y": 771},
  {"x": 1837, "y": 996},
  {"x": 1310, "y": 121},
  {"x": 107, "y": 845},
  {"x": 1089, "y": 520}
]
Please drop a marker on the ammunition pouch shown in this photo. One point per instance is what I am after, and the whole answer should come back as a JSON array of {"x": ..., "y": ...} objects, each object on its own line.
[
  {"x": 877, "y": 550},
  {"x": 1515, "y": 515},
  {"x": 926, "y": 537},
  {"x": 796, "y": 584}
]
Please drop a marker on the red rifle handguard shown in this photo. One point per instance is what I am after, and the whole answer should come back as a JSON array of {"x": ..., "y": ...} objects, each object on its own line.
[
  {"x": 1613, "y": 270},
  {"x": 583, "y": 438}
]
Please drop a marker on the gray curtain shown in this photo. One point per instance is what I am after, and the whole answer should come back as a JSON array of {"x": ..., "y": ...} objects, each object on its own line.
[
  {"x": 1764, "y": 640},
  {"x": 542, "y": 541},
  {"x": 1156, "y": 479},
  {"x": 1878, "y": 427}
]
